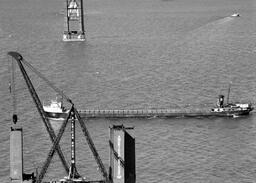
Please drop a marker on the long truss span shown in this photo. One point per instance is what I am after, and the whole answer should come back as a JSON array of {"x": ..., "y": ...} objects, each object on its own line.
[{"x": 152, "y": 113}]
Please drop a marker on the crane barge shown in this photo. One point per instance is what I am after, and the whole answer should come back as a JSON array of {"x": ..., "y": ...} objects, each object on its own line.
[{"x": 73, "y": 116}]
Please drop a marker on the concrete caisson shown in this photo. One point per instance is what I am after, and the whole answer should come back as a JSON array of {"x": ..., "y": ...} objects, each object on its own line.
[{"x": 122, "y": 155}]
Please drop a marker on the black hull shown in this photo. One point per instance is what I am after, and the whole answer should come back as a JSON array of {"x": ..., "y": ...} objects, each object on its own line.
[{"x": 231, "y": 114}]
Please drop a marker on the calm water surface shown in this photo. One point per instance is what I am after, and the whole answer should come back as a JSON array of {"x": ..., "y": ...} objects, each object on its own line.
[{"x": 139, "y": 54}]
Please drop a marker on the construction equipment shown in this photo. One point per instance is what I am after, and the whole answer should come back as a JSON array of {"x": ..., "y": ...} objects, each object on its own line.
[
  {"x": 73, "y": 114},
  {"x": 74, "y": 19}
]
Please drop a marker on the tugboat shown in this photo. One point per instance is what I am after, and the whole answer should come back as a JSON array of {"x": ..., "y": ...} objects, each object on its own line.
[
  {"x": 230, "y": 109},
  {"x": 55, "y": 110}
]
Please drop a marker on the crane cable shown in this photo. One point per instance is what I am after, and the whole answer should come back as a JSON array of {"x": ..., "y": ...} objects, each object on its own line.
[
  {"x": 57, "y": 90},
  {"x": 49, "y": 128},
  {"x": 12, "y": 90},
  {"x": 39, "y": 106},
  {"x": 88, "y": 138}
]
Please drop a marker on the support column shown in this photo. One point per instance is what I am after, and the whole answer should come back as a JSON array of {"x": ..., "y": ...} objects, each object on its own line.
[{"x": 122, "y": 155}]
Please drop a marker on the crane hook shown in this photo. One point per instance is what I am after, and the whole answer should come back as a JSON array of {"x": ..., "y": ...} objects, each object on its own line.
[{"x": 14, "y": 118}]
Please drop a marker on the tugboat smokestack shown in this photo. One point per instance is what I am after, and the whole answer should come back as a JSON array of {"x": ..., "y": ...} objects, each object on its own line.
[{"x": 221, "y": 101}]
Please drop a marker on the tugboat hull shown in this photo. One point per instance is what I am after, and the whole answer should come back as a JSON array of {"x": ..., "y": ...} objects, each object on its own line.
[
  {"x": 230, "y": 114},
  {"x": 231, "y": 111}
]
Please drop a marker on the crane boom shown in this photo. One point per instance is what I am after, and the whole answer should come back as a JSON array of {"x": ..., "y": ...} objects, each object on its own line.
[
  {"x": 39, "y": 106},
  {"x": 53, "y": 149},
  {"x": 54, "y": 139},
  {"x": 92, "y": 146}
]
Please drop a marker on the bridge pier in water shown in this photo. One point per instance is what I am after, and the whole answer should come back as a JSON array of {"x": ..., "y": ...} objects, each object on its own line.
[{"x": 122, "y": 155}]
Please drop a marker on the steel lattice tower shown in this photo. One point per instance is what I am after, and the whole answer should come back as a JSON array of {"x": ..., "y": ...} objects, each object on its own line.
[{"x": 74, "y": 21}]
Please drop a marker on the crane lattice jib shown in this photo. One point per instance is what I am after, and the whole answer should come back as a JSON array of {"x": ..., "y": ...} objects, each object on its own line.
[
  {"x": 39, "y": 106},
  {"x": 92, "y": 146},
  {"x": 49, "y": 128},
  {"x": 53, "y": 149}
]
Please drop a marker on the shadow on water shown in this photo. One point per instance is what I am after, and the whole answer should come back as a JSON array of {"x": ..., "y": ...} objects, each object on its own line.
[{"x": 74, "y": 50}]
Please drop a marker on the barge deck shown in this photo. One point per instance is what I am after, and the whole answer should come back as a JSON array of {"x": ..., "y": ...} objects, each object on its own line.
[{"x": 152, "y": 113}]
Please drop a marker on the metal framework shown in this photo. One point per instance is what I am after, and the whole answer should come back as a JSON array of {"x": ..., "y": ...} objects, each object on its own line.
[
  {"x": 73, "y": 115},
  {"x": 74, "y": 20}
]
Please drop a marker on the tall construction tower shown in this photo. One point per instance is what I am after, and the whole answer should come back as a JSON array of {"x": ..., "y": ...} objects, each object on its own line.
[{"x": 74, "y": 21}]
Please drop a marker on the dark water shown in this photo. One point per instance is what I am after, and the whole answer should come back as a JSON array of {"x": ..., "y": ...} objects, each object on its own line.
[{"x": 139, "y": 54}]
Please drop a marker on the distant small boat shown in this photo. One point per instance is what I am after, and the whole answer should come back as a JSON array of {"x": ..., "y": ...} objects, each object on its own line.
[
  {"x": 55, "y": 110},
  {"x": 235, "y": 15}
]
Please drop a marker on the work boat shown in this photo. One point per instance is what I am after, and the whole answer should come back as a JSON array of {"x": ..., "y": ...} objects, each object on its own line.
[
  {"x": 55, "y": 110},
  {"x": 235, "y": 15},
  {"x": 231, "y": 109}
]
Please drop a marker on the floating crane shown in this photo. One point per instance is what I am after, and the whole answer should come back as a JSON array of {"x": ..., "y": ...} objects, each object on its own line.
[{"x": 73, "y": 115}]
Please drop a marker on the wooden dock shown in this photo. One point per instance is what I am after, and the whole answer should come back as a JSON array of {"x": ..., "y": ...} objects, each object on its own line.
[{"x": 145, "y": 113}]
